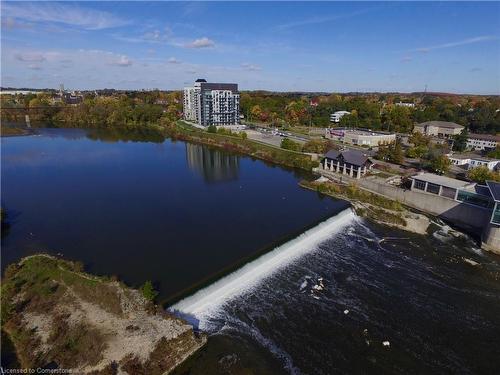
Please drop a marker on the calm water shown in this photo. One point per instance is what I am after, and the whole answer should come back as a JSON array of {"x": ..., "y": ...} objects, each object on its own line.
[
  {"x": 177, "y": 213},
  {"x": 170, "y": 212}
]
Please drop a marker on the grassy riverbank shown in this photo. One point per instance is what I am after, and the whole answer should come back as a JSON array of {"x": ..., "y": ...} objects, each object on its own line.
[
  {"x": 183, "y": 131},
  {"x": 54, "y": 313},
  {"x": 372, "y": 206}
]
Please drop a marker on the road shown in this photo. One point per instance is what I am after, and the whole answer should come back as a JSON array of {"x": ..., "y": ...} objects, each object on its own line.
[{"x": 270, "y": 138}]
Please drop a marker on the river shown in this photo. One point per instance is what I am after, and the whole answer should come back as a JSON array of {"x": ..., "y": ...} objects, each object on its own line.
[{"x": 334, "y": 290}]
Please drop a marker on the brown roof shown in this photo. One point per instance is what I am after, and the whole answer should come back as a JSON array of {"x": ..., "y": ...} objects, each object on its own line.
[
  {"x": 441, "y": 124},
  {"x": 485, "y": 137}
]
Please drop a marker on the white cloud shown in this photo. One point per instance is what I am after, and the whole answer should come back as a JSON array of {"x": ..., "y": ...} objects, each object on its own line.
[
  {"x": 463, "y": 42},
  {"x": 30, "y": 57},
  {"x": 173, "y": 60},
  {"x": 34, "y": 67},
  {"x": 66, "y": 14},
  {"x": 122, "y": 61},
  {"x": 319, "y": 19},
  {"x": 250, "y": 67},
  {"x": 406, "y": 59},
  {"x": 201, "y": 43},
  {"x": 158, "y": 35}
]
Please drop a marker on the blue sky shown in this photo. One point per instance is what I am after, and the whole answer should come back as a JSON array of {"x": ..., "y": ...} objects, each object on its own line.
[{"x": 282, "y": 46}]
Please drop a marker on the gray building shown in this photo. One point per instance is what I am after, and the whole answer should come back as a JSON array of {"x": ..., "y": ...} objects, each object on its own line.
[
  {"x": 212, "y": 103},
  {"x": 441, "y": 129},
  {"x": 360, "y": 137}
]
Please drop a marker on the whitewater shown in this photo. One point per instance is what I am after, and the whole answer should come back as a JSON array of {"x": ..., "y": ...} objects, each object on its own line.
[{"x": 204, "y": 302}]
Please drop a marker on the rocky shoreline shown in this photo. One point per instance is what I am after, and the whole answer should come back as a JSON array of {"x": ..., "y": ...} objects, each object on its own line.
[
  {"x": 379, "y": 209},
  {"x": 58, "y": 316}
]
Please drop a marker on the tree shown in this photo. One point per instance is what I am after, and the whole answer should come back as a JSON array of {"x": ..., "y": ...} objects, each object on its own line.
[
  {"x": 317, "y": 146},
  {"x": 148, "y": 291},
  {"x": 460, "y": 143},
  {"x": 482, "y": 174},
  {"x": 399, "y": 119},
  {"x": 495, "y": 154},
  {"x": 212, "y": 129},
  {"x": 417, "y": 152},
  {"x": 256, "y": 112},
  {"x": 440, "y": 164},
  {"x": 288, "y": 144},
  {"x": 419, "y": 139},
  {"x": 392, "y": 152}
]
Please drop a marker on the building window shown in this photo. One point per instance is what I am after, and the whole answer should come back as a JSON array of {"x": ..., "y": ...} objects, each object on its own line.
[
  {"x": 420, "y": 185},
  {"x": 433, "y": 188},
  {"x": 473, "y": 198},
  {"x": 495, "y": 218},
  {"x": 448, "y": 192}
]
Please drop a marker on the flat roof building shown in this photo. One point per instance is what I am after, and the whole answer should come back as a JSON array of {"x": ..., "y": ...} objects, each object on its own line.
[
  {"x": 469, "y": 161},
  {"x": 441, "y": 129},
  {"x": 359, "y": 137},
  {"x": 462, "y": 191},
  {"x": 336, "y": 116},
  {"x": 482, "y": 141}
]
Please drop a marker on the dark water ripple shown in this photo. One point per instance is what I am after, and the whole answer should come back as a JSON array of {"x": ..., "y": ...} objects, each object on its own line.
[{"x": 439, "y": 314}]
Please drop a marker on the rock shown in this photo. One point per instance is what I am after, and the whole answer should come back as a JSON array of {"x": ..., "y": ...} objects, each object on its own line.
[{"x": 470, "y": 261}]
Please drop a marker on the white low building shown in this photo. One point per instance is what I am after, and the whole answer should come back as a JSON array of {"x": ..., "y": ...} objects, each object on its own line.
[
  {"x": 473, "y": 161},
  {"x": 482, "y": 141},
  {"x": 359, "y": 137},
  {"x": 336, "y": 116},
  {"x": 407, "y": 105}
]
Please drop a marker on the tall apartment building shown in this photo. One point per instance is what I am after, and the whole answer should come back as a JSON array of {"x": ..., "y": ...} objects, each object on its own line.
[{"x": 212, "y": 103}]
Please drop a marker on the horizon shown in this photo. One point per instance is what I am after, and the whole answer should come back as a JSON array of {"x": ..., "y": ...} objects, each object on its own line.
[{"x": 285, "y": 47}]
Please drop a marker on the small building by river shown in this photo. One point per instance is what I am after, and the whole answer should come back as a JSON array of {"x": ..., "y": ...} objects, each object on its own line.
[{"x": 352, "y": 162}]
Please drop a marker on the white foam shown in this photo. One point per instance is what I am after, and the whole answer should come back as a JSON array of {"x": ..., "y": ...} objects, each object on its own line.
[{"x": 210, "y": 298}]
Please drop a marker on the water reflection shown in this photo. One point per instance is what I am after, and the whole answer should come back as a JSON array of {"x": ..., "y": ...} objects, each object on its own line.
[
  {"x": 126, "y": 135},
  {"x": 213, "y": 165}
]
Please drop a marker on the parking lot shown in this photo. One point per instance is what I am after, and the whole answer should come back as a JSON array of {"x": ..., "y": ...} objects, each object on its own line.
[{"x": 271, "y": 138}]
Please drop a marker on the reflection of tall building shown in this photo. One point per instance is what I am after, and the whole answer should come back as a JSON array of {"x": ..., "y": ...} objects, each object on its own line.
[{"x": 213, "y": 165}]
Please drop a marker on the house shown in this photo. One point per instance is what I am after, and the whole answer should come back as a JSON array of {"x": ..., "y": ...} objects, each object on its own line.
[
  {"x": 441, "y": 129},
  {"x": 72, "y": 98},
  {"x": 336, "y": 116},
  {"x": 469, "y": 161},
  {"x": 482, "y": 141},
  {"x": 352, "y": 162},
  {"x": 407, "y": 105}
]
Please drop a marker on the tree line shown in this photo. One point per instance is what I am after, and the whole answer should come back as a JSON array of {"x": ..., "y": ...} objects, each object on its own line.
[{"x": 481, "y": 114}]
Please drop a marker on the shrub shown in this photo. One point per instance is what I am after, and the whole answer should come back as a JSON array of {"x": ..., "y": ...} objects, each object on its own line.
[
  {"x": 148, "y": 291},
  {"x": 482, "y": 174},
  {"x": 212, "y": 129},
  {"x": 288, "y": 144}
]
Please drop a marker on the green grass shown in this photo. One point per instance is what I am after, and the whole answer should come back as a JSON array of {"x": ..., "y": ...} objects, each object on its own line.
[
  {"x": 352, "y": 192},
  {"x": 40, "y": 277}
]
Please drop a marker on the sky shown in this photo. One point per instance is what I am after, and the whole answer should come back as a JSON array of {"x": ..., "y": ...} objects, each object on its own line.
[{"x": 276, "y": 46}]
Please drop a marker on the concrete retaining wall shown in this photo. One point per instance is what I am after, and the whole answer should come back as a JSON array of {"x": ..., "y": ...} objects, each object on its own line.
[{"x": 465, "y": 215}]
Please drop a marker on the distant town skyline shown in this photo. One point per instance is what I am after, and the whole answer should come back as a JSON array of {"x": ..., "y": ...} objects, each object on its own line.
[{"x": 280, "y": 46}]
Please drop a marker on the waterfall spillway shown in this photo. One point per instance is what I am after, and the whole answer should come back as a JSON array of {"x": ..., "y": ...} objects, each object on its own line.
[{"x": 196, "y": 306}]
